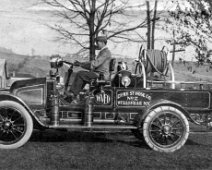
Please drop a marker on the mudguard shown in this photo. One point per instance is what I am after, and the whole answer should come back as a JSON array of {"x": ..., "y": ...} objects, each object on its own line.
[
  {"x": 159, "y": 103},
  {"x": 8, "y": 96}
]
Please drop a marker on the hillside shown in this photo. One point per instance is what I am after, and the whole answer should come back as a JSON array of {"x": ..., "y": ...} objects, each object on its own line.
[
  {"x": 192, "y": 72},
  {"x": 33, "y": 65},
  {"x": 39, "y": 66}
]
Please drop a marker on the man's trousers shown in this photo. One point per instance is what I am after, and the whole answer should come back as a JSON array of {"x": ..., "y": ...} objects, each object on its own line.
[{"x": 81, "y": 79}]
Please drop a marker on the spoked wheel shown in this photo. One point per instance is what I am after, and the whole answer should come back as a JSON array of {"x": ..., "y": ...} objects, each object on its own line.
[
  {"x": 165, "y": 129},
  {"x": 16, "y": 125}
]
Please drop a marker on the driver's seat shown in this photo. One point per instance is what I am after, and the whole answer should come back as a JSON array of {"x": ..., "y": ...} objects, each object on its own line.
[{"x": 111, "y": 68}]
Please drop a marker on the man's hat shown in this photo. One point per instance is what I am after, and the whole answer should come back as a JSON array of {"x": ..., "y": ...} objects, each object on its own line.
[{"x": 101, "y": 38}]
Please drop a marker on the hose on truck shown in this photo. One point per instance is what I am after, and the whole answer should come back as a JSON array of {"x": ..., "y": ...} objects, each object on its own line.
[{"x": 154, "y": 61}]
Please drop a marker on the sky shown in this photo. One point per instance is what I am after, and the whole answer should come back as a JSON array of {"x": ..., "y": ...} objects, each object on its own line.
[
  {"x": 14, "y": 5},
  {"x": 23, "y": 31}
]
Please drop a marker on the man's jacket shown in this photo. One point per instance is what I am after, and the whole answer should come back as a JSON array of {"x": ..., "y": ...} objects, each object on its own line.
[{"x": 100, "y": 64}]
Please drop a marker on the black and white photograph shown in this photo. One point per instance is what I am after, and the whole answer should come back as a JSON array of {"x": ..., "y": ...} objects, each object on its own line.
[{"x": 105, "y": 84}]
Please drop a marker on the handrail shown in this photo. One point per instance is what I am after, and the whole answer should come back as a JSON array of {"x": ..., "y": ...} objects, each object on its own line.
[
  {"x": 180, "y": 82},
  {"x": 172, "y": 76},
  {"x": 144, "y": 74}
]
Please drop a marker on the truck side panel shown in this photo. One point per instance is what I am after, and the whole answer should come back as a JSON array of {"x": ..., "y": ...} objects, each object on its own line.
[{"x": 138, "y": 98}]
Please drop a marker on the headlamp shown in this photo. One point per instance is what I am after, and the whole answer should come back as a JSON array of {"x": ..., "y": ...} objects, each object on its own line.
[
  {"x": 56, "y": 61},
  {"x": 125, "y": 81}
]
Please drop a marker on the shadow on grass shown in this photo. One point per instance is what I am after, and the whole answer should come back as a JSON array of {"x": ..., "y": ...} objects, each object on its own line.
[
  {"x": 81, "y": 136},
  {"x": 125, "y": 138},
  {"x": 192, "y": 143}
]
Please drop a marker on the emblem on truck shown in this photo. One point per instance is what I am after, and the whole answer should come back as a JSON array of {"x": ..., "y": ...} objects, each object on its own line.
[{"x": 102, "y": 98}]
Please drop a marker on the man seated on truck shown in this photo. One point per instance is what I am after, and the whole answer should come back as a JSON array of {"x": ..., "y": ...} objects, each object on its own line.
[{"x": 95, "y": 67}]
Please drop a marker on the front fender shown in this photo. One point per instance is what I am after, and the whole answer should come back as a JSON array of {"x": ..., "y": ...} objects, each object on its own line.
[
  {"x": 8, "y": 96},
  {"x": 159, "y": 103}
]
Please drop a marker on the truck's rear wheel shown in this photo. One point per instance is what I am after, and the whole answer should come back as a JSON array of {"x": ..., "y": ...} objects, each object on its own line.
[
  {"x": 165, "y": 129},
  {"x": 16, "y": 125}
]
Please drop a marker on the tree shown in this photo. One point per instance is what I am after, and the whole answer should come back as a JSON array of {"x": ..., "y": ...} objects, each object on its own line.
[
  {"x": 191, "y": 23},
  {"x": 83, "y": 20},
  {"x": 149, "y": 30},
  {"x": 154, "y": 24},
  {"x": 151, "y": 25}
]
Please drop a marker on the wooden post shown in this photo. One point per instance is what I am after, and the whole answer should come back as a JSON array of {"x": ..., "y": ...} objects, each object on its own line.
[
  {"x": 174, "y": 48},
  {"x": 148, "y": 26},
  {"x": 153, "y": 25}
]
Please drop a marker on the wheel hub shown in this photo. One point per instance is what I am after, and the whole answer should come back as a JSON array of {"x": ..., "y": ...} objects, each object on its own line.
[
  {"x": 166, "y": 129},
  {"x": 7, "y": 125}
]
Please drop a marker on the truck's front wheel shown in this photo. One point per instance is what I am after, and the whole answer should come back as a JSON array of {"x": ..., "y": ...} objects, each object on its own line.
[
  {"x": 165, "y": 129},
  {"x": 16, "y": 125}
]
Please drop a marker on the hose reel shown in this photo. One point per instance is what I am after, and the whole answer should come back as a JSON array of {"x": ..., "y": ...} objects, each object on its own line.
[{"x": 154, "y": 61}]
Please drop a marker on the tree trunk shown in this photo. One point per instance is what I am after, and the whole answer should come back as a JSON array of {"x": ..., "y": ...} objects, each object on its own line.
[
  {"x": 92, "y": 46},
  {"x": 91, "y": 29},
  {"x": 148, "y": 26},
  {"x": 153, "y": 25}
]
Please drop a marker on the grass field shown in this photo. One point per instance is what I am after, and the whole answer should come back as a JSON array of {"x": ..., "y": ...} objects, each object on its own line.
[{"x": 103, "y": 151}]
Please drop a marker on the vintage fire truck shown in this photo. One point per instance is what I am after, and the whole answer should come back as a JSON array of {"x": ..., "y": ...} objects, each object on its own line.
[{"x": 156, "y": 110}]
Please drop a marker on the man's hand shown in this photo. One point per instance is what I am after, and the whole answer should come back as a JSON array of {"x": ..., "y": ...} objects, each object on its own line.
[{"x": 77, "y": 63}]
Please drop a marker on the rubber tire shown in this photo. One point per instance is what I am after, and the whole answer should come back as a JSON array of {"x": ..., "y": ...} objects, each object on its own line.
[
  {"x": 154, "y": 114},
  {"x": 28, "y": 120}
]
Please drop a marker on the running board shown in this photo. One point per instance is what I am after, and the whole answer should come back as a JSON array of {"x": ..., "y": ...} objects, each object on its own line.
[{"x": 92, "y": 127}]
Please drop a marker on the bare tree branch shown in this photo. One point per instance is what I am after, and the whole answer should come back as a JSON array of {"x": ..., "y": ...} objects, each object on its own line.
[{"x": 89, "y": 18}]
